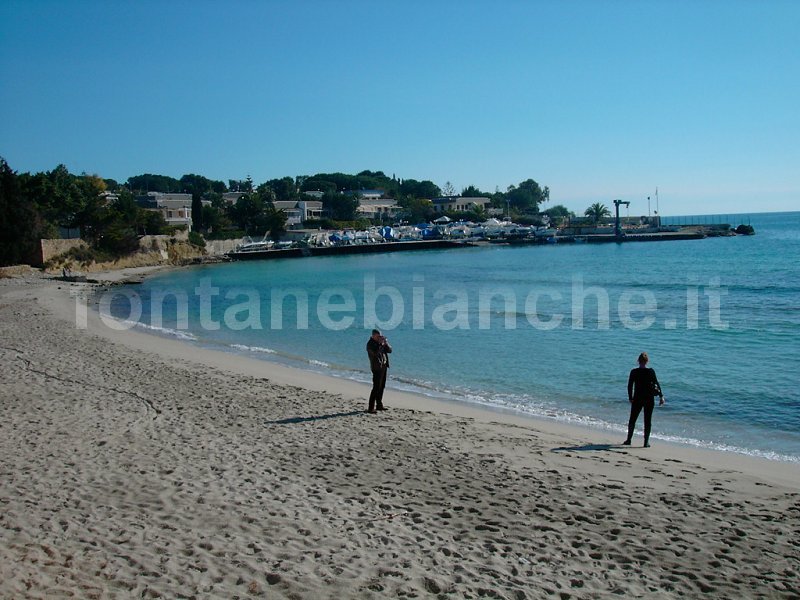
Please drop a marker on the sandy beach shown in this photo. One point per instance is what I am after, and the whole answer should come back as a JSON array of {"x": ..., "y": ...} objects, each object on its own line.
[{"x": 135, "y": 466}]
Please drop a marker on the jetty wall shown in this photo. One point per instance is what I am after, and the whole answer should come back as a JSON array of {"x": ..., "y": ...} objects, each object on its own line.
[{"x": 348, "y": 249}]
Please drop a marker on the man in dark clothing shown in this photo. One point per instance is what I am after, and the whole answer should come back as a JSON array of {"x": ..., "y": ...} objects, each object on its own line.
[
  {"x": 643, "y": 387},
  {"x": 378, "y": 349}
]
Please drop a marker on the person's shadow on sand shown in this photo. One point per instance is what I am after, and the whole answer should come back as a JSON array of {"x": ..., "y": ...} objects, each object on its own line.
[
  {"x": 587, "y": 448},
  {"x": 293, "y": 420}
]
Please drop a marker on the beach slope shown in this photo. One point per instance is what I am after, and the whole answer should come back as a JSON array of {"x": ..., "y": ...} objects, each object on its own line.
[{"x": 136, "y": 466}]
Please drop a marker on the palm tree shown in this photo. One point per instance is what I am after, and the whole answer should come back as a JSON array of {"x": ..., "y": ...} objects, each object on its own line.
[{"x": 597, "y": 211}]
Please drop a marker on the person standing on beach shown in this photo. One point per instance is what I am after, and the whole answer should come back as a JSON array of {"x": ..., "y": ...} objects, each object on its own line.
[
  {"x": 643, "y": 387},
  {"x": 378, "y": 350}
]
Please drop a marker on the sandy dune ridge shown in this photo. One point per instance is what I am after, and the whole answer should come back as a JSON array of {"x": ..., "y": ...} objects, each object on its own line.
[{"x": 135, "y": 466}]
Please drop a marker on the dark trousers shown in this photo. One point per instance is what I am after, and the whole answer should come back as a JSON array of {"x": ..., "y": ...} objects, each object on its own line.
[
  {"x": 378, "y": 383},
  {"x": 636, "y": 407}
]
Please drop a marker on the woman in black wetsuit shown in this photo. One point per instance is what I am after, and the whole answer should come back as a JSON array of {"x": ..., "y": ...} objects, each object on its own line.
[{"x": 643, "y": 387}]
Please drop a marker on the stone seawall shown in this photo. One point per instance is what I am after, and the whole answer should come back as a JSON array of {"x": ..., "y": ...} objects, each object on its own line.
[
  {"x": 148, "y": 244},
  {"x": 221, "y": 247},
  {"x": 50, "y": 248},
  {"x": 161, "y": 243}
]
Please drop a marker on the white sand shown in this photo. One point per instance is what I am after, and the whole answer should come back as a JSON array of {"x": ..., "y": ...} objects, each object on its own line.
[{"x": 138, "y": 466}]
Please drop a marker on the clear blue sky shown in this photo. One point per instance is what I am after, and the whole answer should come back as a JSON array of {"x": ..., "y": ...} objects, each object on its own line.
[{"x": 595, "y": 99}]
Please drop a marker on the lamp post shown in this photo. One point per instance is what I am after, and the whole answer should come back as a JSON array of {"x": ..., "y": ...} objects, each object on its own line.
[{"x": 617, "y": 229}]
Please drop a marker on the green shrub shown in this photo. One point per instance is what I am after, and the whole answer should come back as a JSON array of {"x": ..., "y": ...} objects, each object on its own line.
[
  {"x": 173, "y": 229},
  {"x": 79, "y": 255},
  {"x": 195, "y": 239},
  {"x": 118, "y": 239},
  {"x": 226, "y": 234},
  {"x": 331, "y": 224}
]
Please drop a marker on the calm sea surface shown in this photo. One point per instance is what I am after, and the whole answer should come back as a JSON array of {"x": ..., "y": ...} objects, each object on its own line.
[{"x": 551, "y": 331}]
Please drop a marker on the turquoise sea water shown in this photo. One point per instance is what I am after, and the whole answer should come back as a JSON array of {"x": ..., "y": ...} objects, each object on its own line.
[{"x": 550, "y": 331}]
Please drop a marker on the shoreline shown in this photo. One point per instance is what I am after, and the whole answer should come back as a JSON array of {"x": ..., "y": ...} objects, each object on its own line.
[
  {"x": 134, "y": 275},
  {"x": 137, "y": 464},
  {"x": 61, "y": 305},
  {"x": 607, "y": 432}
]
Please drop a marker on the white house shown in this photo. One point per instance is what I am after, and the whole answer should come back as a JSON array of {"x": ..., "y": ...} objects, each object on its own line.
[
  {"x": 310, "y": 209},
  {"x": 232, "y": 197},
  {"x": 175, "y": 208},
  {"x": 109, "y": 197},
  {"x": 365, "y": 194},
  {"x": 377, "y": 208},
  {"x": 293, "y": 216},
  {"x": 459, "y": 204},
  {"x": 299, "y": 211}
]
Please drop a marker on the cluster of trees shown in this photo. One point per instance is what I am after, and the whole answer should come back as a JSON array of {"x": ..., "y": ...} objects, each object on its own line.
[
  {"x": 34, "y": 206},
  {"x": 412, "y": 195},
  {"x": 255, "y": 212},
  {"x": 415, "y": 196}
]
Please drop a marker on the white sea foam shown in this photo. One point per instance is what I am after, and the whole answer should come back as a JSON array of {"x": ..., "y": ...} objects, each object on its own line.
[
  {"x": 768, "y": 454},
  {"x": 177, "y": 333},
  {"x": 543, "y": 411},
  {"x": 253, "y": 348}
]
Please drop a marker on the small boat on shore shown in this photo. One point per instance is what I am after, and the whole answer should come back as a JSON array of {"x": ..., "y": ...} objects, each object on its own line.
[
  {"x": 248, "y": 245},
  {"x": 342, "y": 249}
]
